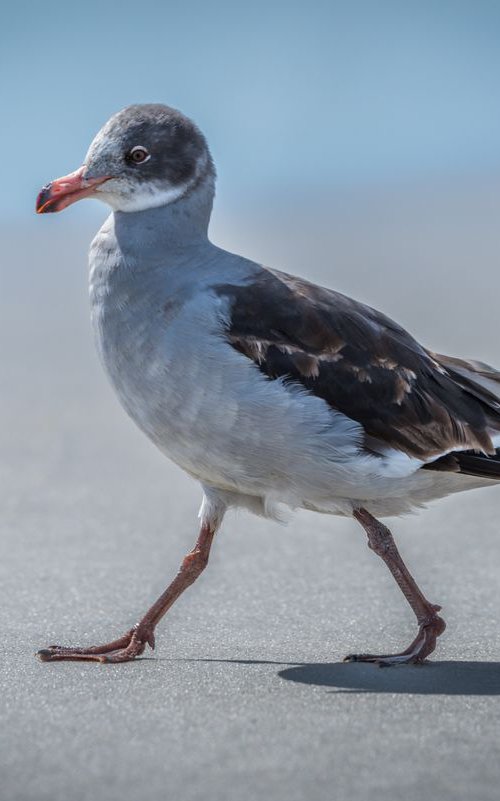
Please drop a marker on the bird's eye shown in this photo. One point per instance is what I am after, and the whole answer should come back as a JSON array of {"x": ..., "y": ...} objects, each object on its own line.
[{"x": 138, "y": 155}]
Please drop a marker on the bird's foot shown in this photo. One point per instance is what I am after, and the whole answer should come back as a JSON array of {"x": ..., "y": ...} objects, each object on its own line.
[
  {"x": 423, "y": 645},
  {"x": 126, "y": 648}
]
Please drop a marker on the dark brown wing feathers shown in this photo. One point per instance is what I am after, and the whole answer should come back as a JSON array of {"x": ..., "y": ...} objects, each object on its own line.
[
  {"x": 361, "y": 363},
  {"x": 469, "y": 463}
]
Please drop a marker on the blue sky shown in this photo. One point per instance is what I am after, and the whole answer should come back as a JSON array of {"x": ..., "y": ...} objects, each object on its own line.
[{"x": 292, "y": 96}]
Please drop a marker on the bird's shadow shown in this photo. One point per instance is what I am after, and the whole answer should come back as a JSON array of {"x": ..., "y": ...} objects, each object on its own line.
[{"x": 432, "y": 678}]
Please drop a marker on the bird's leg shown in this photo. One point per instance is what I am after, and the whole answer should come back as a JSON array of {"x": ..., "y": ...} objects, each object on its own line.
[
  {"x": 430, "y": 625},
  {"x": 134, "y": 642}
]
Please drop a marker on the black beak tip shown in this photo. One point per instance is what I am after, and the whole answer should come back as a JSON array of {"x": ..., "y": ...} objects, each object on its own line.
[{"x": 41, "y": 205}]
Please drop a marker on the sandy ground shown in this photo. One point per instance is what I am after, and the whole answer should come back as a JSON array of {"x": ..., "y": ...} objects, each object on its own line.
[{"x": 246, "y": 696}]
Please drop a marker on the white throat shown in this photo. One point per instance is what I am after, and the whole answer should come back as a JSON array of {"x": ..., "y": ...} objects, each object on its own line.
[{"x": 147, "y": 197}]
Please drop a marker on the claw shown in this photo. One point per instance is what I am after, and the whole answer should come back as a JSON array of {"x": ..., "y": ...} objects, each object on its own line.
[
  {"x": 416, "y": 654},
  {"x": 124, "y": 649},
  {"x": 45, "y": 653}
]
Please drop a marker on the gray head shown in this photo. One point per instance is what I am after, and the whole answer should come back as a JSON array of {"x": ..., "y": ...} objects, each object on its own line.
[{"x": 145, "y": 156}]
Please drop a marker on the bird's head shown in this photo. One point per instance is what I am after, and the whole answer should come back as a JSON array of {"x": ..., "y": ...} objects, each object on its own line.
[{"x": 144, "y": 156}]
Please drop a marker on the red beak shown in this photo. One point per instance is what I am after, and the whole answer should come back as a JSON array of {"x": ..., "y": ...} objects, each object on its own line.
[{"x": 66, "y": 190}]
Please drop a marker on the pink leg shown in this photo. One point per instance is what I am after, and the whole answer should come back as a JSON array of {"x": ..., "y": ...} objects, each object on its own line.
[
  {"x": 430, "y": 625},
  {"x": 134, "y": 642}
]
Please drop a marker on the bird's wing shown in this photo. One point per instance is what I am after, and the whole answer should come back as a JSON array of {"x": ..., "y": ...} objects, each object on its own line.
[{"x": 362, "y": 364}]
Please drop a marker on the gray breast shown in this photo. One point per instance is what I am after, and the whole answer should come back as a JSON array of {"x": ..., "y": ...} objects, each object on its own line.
[{"x": 133, "y": 315}]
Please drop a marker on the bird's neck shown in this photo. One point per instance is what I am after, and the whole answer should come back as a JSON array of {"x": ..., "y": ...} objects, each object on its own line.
[{"x": 157, "y": 232}]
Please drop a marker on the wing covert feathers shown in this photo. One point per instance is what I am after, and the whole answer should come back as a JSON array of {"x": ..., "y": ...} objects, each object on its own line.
[{"x": 364, "y": 365}]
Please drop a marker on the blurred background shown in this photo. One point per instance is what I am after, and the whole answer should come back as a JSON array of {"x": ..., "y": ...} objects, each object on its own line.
[{"x": 357, "y": 144}]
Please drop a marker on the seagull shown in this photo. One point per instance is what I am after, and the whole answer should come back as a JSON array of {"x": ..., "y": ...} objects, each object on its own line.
[{"x": 274, "y": 393}]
